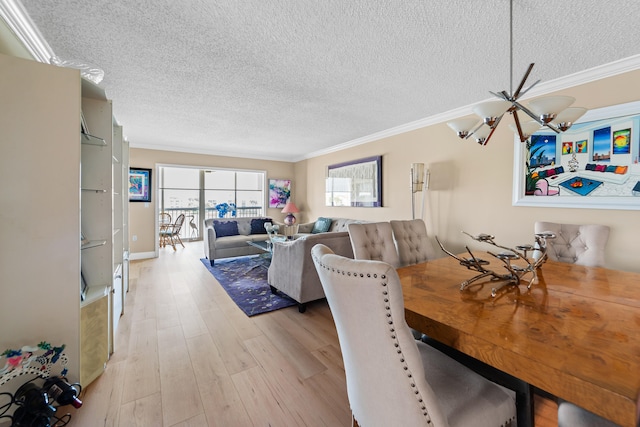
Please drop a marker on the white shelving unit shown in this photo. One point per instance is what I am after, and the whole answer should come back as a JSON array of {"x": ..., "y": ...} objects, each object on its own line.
[
  {"x": 40, "y": 202},
  {"x": 96, "y": 224},
  {"x": 65, "y": 215}
]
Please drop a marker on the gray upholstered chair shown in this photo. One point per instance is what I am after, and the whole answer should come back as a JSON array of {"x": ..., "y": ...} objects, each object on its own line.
[
  {"x": 412, "y": 241},
  {"x": 393, "y": 380},
  {"x": 570, "y": 415},
  {"x": 374, "y": 241},
  {"x": 584, "y": 245},
  {"x": 575, "y": 244}
]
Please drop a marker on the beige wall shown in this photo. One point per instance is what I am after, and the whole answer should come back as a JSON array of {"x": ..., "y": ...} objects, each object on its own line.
[
  {"x": 471, "y": 185},
  {"x": 142, "y": 216}
]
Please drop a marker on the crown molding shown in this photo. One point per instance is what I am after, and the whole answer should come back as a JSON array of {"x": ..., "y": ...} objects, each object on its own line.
[
  {"x": 19, "y": 21},
  {"x": 582, "y": 77}
]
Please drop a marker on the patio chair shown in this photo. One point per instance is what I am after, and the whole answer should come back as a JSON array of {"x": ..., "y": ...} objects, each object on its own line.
[{"x": 171, "y": 234}]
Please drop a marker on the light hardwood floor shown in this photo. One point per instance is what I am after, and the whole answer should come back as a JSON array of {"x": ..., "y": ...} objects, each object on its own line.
[{"x": 186, "y": 356}]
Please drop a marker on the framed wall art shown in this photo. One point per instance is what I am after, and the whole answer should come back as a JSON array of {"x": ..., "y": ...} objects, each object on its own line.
[
  {"x": 279, "y": 192},
  {"x": 594, "y": 164},
  {"x": 139, "y": 185},
  {"x": 355, "y": 183}
]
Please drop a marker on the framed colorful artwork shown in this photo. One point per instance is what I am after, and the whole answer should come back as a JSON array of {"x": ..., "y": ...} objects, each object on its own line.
[
  {"x": 594, "y": 164},
  {"x": 139, "y": 185},
  {"x": 279, "y": 192},
  {"x": 567, "y": 148}
]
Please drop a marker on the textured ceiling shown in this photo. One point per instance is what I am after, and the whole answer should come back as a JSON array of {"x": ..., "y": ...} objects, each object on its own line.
[{"x": 286, "y": 79}]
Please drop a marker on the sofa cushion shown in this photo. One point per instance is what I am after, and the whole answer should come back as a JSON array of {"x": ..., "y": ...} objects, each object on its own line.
[
  {"x": 225, "y": 228},
  {"x": 322, "y": 225},
  {"x": 621, "y": 170},
  {"x": 257, "y": 225}
]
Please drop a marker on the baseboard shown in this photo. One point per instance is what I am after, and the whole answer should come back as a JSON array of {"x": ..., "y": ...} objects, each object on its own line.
[{"x": 142, "y": 255}]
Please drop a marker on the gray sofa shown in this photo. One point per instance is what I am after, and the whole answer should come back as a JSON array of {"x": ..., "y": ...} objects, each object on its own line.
[
  {"x": 216, "y": 247},
  {"x": 292, "y": 270}
]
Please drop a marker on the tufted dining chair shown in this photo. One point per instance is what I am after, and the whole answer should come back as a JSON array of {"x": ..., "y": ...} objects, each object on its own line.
[
  {"x": 393, "y": 380},
  {"x": 575, "y": 244},
  {"x": 570, "y": 415},
  {"x": 374, "y": 241},
  {"x": 412, "y": 241},
  {"x": 584, "y": 245}
]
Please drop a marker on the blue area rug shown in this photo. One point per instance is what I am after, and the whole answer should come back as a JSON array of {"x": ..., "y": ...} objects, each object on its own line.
[{"x": 245, "y": 280}]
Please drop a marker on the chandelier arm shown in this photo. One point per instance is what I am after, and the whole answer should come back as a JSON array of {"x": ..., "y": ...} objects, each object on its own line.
[
  {"x": 493, "y": 129},
  {"x": 528, "y": 112},
  {"x": 474, "y": 130},
  {"x": 502, "y": 95},
  {"x": 516, "y": 94},
  {"x": 528, "y": 89},
  {"x": 516, "y": 119},
  {"x": 534, "y": 117}
]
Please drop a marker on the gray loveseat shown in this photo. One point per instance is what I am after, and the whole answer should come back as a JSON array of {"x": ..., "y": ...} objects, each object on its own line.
[
  {"x": 292, "y": 270},
  {"x": 228, "y": 237}
]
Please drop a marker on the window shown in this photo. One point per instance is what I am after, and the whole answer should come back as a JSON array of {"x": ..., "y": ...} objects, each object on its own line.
[{"x": 209, "y": 193}]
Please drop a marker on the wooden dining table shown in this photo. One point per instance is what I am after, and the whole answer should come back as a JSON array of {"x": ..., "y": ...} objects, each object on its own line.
[{"x": 575, "y": 334}]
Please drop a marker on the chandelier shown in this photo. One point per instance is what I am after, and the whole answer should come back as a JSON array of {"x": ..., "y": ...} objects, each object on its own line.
[{"x": 551, "y": 112}]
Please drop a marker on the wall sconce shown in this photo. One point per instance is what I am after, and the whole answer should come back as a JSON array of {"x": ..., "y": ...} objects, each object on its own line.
[{"x": 419, "y": 182}]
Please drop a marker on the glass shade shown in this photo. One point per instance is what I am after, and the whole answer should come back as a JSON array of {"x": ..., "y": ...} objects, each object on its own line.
[
  {"x": 568, "y": 117},
  {"x": 548, "y": 107},
  {"x": 463, "y": 126},
  {"x": 481, "y": 134},
  {"x": 491, "y": 110},
  {"x": 528, "y": 128}
]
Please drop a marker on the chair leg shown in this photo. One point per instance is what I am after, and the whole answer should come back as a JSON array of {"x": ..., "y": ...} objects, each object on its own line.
[{"x": 179, "y": 240}]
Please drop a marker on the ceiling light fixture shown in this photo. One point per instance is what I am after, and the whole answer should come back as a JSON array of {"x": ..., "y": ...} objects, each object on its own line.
[{"x": 551, "y": 112}]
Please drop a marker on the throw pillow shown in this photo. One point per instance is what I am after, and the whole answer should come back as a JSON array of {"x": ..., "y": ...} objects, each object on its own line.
[
  {"x": 590, "y": 167},
  {"x": 225, "y": 228},
  {"x": 601, "y": 168},
  {"x": 621, "y": 170},
  {"x": 321, "y": 226},
  {"x": 257, "y": 225},
  {"x": 610, "y": 168}
]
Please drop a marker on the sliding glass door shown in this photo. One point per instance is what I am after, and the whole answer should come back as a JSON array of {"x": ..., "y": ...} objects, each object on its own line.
[{"x": 209, "y": 193}]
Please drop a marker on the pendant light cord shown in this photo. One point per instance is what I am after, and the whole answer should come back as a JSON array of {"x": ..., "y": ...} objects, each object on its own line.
[{"x": 511, "y": 46}]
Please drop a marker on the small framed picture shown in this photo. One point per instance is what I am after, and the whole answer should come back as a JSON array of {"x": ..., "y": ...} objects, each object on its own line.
[{"x": 139, "y": 185}]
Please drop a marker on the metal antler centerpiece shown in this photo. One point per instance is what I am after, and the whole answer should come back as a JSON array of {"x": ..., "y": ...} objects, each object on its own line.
[{"x": 515, "y": 272}]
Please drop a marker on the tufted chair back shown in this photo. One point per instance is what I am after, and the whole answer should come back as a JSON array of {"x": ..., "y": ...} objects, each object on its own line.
[
  {"x": 392, "y": 379},
  {"x": 576, "y": 244},
  {"x": 412, "y": 241},
  {"x": 374, "y": 241}
]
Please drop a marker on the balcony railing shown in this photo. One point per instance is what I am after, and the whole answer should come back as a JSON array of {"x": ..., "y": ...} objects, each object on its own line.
[{"x": 192, "y": 224}]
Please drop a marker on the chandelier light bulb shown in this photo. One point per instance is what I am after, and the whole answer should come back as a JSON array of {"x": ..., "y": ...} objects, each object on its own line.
[
  {"x": 528, "y": 128},
  {"x": 481, "y": 134},
  {"x": 548, "y": 107},
  {"x": 568, "y": 117},
  {"x": 491, "y": 111},
  {"x": 463, "y": 126}
]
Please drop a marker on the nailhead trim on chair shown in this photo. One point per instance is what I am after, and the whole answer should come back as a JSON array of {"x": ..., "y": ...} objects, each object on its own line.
[{"x": 396, "y": 343}]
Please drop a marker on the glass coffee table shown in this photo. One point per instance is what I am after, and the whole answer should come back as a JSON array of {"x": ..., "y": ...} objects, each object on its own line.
[{"x": 267, "y": 245}]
